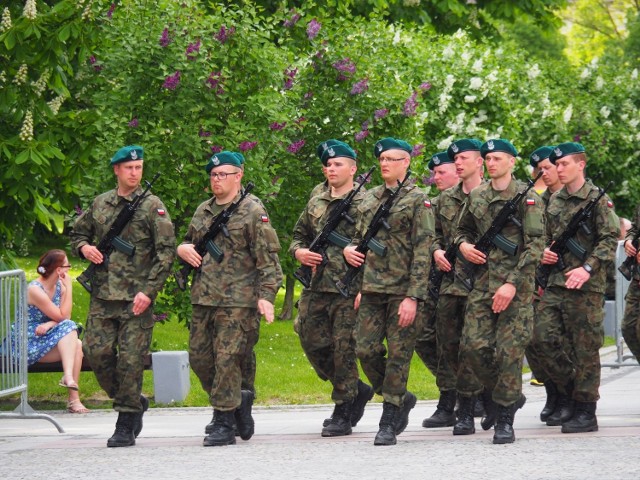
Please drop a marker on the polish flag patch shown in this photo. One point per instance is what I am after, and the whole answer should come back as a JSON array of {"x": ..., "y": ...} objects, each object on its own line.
[
  {"x": 531, "y": 201},
  {"x": 427, "y": 203},
  {"x": 609, "y": 204},
  {"x": 161, "y": 211},
  {"x": 264, "y": 219}
]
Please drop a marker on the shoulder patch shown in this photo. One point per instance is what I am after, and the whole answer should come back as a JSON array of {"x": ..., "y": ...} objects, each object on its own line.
[
  {"x": 531, "y": 201},
  {"x": 161, "y": 211},
  {"x": 264, "y": 218},
  {"x": 427, "y": 203},
  {"x": 609, "y": 204}
]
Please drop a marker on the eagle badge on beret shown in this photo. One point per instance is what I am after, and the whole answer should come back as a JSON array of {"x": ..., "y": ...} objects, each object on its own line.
[
  {"x": 331, "y": 152},
  {"x": 557, "y": 151},
  {"x": 436, "y": 160},
  {"x": 455, "y": 148},
  {"x": 490, "y": 145},
  {"x": 215, "y": 160},
  {"x": 134, "y": 155},
  {"x": 535, "y": 157},
  {"x": 379, "y": 147}
]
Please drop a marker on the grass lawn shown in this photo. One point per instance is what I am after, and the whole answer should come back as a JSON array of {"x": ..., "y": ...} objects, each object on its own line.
[{"x": 284, "y": 376}]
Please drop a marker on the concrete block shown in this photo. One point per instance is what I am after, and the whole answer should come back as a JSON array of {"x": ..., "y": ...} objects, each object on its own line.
[{"x": 171, "y": 381}]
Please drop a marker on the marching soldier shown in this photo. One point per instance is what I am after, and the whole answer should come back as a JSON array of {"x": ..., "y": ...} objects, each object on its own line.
[{"x": 631, "y": 322}]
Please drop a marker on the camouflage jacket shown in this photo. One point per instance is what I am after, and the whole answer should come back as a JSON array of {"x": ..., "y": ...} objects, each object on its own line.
[
  {"x": 476, "y": 217},
  {"x": 631, "y": 236},
  {"x": 404, "y": 269},
  {"x": 150, "y": 231},
  {"x": 250, "y": 268},
  {"x": 309, "y": 225},
  {"x": 447, "y": 207},
  {"x": 320, "y": 188},
  {"x": 600, "y": 244}
]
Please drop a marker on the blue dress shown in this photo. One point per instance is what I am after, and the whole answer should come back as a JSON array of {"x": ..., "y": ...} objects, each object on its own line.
[{"x": 40, "y": 345}]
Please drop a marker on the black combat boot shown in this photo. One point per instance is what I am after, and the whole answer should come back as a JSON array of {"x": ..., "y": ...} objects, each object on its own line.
[
  {"x": 503, "y": 431},
  {"x": 402, "y": 418},
  {"x": 137, "y": 426},
  {"x": 340, "y": 424},
  {"x": 490, "y": 410},
  {"x": 444, "y": 415},
  {"x": 564, "y": 408},
  {"x": 223, "y": 430},
  {"x": 327, "y": 421},
  {"x": 552, "y": 398},
  {"x": 479, "y": 408},
  {"x": 387, "y": 433},
  {"x": 584, "y": 419},
  {"x": 123, "y": 435},
  {"x": 365, "y": 393},
  {"x": 466, "y": 423},
  {"x": 243, "y": 419},
  {"x": 209, "y": 427}
]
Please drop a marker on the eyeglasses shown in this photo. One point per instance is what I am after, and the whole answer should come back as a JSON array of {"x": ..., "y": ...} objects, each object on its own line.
[
  {"x": 221, "y": 175},
  {"x": 65, "y": 266},
  {"x": 389, "y": 159}
]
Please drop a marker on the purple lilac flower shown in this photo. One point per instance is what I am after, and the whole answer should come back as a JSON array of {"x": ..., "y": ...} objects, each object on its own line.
[
  {"x": 345, "y": 66},
  {"x": 78, "y": 210},
  {"x": 418, "y": 150},
  {"x": 204, "y": 133},
  {"x": 361, "y": 135},
  {"x": 133, "y": 123},
  {"x": 365, "y": 125},
  {"x": 290, "y": 22},
  {"x": 216, "y": 148},
  {"x": 380, "y": 114},
  {"x": 429, "y": 180},
  {"x": 160, "y": 317},
  {"x": 111, "y": 10},
  {"x": 246, "y": 146},
  {"x": 94, "y": 61},
  {"x": 165, "y": 40},
  {"x": 308, "y": 95},
  {"x": 300, "y": 120},
  {"x": 172, "y": 81},
  {"x": 360, "y": 86},
  {"x": 276, "y": 127},
  {"x": 215, "y": 82},
  {"x": 313, "y": 28},
  {"x": 577, "y": 138},
  {"x": 192, "y": 49},
  {"x": 295, "y": 146},
  {"x": 289, "y": 75},
  {"x": 411, "y": 105},
  {"x": 425, "y": 86},
  {"x": 223, "y": 34}
]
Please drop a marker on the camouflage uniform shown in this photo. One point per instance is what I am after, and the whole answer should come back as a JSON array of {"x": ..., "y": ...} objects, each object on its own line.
[
  {"x": 575, "y": 317},
  {"x": 116, "y": 340},
  {"x": 327, "y": 319},
  {"x": 387, "y": 281},
  {"x": 631, "y": 322},
  {"x": 492, "y": 345},
  {"x": 225, "y": 296}
]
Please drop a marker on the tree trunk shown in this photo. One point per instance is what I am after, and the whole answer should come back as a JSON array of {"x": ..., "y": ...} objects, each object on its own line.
[{"x": 287, "y": 306}]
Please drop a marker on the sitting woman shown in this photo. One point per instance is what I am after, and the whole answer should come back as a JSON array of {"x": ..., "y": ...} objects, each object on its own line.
[{"x": 52, "y": 337}]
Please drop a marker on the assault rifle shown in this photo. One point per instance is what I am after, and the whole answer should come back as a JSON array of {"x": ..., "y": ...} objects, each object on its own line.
[
  {"x": 206, "y": 243},
  {"x": 436, "y": 275},
  {"x": 493, "y": 238},
  {"x": 630, "y": 265},
  {"x": 368, "y": 242},
  {"x": 565, "y": 242},
  {"x": 328, "y": 234},
  {"x": 111, "y": 241}
]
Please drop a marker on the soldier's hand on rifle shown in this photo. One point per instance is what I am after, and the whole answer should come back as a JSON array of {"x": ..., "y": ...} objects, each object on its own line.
[
  {"x": 629, "y": 249},
  {"x": 472, "y": 255},
  {"x": 308, "y": 258},
  {"x": 265, "y": 307},
  {"x": 353, "y": 257},
  {"x": 549, "y": 257},
  {"x": 187, "y": 252},
  {"x": 502, "y": 298},
  {"x": 92, "y": 254},
  {"x": 441, "y": 261},
  {"x": 407, "y": 312}
]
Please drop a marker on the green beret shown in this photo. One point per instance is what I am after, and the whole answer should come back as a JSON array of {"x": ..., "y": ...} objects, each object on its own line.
[
  {"x": 564, "y": 149},
  {"x": 324, "y": 145},
  {"x": 338, "y": 149},
  {"x": 463, "y": 145},
  {"x": 240, "y": 157},
  {"x": 223, "y": 158},
  {"x": 127, "y": 154},
  {"x": 390, "y": 143},
  {"x": 540, "y": 154},
  {"x": 498, "y": 145},
  {"x": 439, "y": 158}
]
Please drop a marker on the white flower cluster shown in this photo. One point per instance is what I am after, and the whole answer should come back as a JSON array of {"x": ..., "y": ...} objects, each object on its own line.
[
  {"x": 21, "y": 76},
  {"x": 3, "y": 77},
  {"x": 30, "y": 10},
  {"x": 86, "y": 14},
  {"x": 477, "y": 66},
  {"x": 634, "y": 74},
  {"x": 5, "y": 24},
  {"x": 26, "y": 132},
  {"x": 411, "y": 3},
  {"x": 458, "y": 125},
  {"x": 604, "y": 111},
  {"x": 534, "y": 72},
  {"x": 566, "y": 115},
  {"x": 444, "y": 144},
  {"x": 599, "y": 83},
  {"x": 445, "y": 98},
  {"x": 79, "y": 4},
  {"x": 475, "y": 83},
  {"x": 41, "y": 85},
  {"x": 55, "y": 104}
]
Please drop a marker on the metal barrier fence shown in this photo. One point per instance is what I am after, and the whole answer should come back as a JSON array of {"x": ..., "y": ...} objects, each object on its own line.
[
  {"x": 13, "y": 358},
  {"x": 622, "y": 284}
]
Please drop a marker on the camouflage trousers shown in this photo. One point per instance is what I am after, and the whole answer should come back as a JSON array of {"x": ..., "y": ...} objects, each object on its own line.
[
  {"x": 492, "y": 347},
  {"x": 115, "y": 344},
  {"x": 533, "y": 357},
  {"x": 388, "y": 372},
  {"x": 220, "y": 341},
  {"x": 631, "y": 322},
  {"x": 249, "y": 361},
  {"x": 449, "y": 322},
  {"x": 567, "y": 336},
  {"x": 426, "y": 342},
  {"x": 326, "y": 330}
]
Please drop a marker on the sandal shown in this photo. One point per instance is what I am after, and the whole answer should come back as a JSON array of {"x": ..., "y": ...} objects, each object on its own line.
[
  {"x": 76, "y": 406},
  {"x": 72, "y": 385}
]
